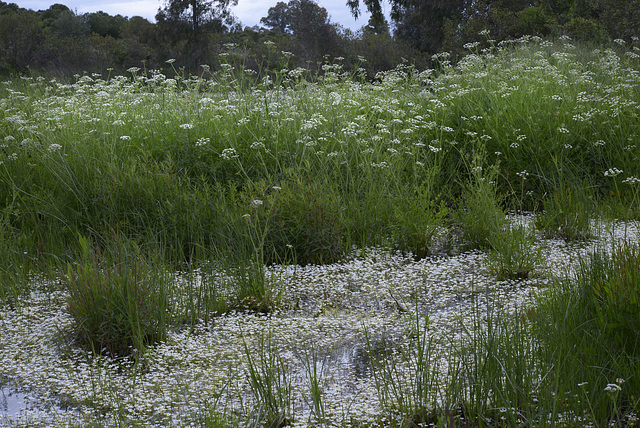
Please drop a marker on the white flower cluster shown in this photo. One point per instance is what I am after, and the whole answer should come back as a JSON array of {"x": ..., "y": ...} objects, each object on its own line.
[
  {"x": 612, "y": 172},
  {"x": 54, "y": 148},
  {"x": 202, "y": 141},
  {"x": 229, "y": 153}
]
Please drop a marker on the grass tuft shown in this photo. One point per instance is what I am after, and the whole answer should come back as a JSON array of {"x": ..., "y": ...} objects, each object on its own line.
[{"x": 118, "y": 301}]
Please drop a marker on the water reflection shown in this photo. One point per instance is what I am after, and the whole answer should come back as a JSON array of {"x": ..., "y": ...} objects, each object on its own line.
[
  {"x": 12, "y": 402},
  {"x": 16, "y": 405}
]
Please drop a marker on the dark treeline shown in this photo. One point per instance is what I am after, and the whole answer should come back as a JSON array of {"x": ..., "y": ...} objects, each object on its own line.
[{"x": 299, "y": 33}]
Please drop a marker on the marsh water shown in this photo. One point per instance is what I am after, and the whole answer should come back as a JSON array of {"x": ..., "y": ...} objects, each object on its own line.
[{"x": 345, "y": 313}]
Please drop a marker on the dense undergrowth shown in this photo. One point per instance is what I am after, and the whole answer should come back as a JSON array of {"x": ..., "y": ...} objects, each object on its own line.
[{"x": 109, "y": 183}]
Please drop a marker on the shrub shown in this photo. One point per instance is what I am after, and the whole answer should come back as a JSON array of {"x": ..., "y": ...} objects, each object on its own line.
[{"x": 117, "y": 305}]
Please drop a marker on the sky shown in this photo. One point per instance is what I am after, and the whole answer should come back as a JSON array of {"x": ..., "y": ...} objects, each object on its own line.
[{"x": 248, "y": 12}]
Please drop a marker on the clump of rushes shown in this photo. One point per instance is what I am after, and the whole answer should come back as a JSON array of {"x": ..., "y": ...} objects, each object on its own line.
[
  {"x": 481, "y": 216},
  {"x": 567, "y": 215},
  {"x": 407, "y": 396},
  {"x": 119, "y": 304},
  {"x": 614, "y": 286},
  {"x": 418, "y": 219},
  {"x": 270, "y": 385},
  {"x": 302, "y": 221},
  {"x": 513, "y": 254},
  {"x": 254, "y": 290}
]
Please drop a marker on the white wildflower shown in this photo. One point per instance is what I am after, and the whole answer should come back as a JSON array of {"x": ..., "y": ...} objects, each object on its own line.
[
  {"x": 336, "y": 98},
  {"x": 612, "y": 172},
  {"x": 229, "y": 153},
  {"x": 612, "y": 387},
  {"x": 381, "y": 165},
  {"x": 202, "y": 142}
]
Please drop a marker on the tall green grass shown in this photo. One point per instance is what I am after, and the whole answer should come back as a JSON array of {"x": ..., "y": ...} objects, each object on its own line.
[{"x": 177, "y": 161}]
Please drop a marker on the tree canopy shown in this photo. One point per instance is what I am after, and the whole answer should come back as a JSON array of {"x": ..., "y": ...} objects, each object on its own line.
[
  {"x": 295, "y": 33},
  {"x": 432, "y": 25},
  {"x": 197, "y": 12}
]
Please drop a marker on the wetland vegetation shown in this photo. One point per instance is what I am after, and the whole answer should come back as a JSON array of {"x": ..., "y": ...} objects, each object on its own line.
[{"x": 455, "y": 246}]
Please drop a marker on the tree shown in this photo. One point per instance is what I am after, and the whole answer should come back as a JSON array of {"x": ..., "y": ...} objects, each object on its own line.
[
  {"x": 70, "y": 24},
  {"x": 279, "y": 18},
  {"x": 21, "y": 34},
  {"x": 420, "y": 23},
  {"x": 198, "y": 13},
  {"x": 52, "y": 14},
  {"x": 104, "y": 24},
  {"x": 621, "y": 18},
  {"x": 377, "y": 25},
  {"x": 308, "y": 23}
]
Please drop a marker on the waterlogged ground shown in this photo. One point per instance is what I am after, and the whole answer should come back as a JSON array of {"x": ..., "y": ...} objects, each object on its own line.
[{"x": 327, "y": 313}]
